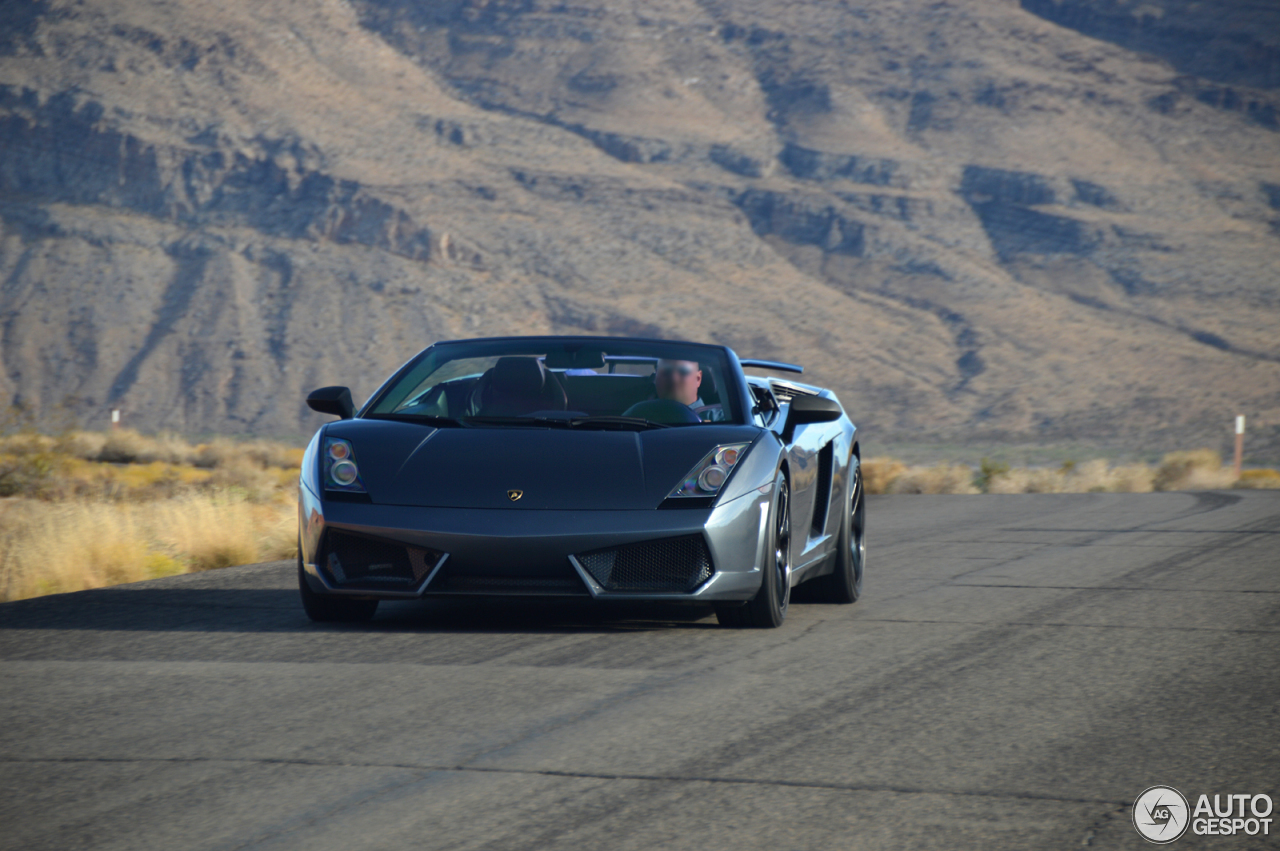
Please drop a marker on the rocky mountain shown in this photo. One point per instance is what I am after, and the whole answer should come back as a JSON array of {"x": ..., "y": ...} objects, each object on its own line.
[{"x": 979, "y": 220}]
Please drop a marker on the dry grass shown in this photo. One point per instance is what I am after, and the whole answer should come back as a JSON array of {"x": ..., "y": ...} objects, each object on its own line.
[
  {"x": 1090, "y": 477},
  {"x": 90, "y": 509},
  {"x": 126, "y": 446},
  {"x": 1259, "y": 479},
  {"x": 1199, "y": 469},
  {"x": 212, "y": 533},
  {"x": 127, "y": 465},
  {"x": 49, "y": 548}
]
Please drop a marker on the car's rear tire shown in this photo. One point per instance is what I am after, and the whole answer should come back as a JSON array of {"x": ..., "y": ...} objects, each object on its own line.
[
  {"x": 768, "y": 608},
  {"x": 844, "y": 583},
  {"x": 323, "y": 608}
]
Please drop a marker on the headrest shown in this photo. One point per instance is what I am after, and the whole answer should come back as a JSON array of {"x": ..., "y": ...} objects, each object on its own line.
[{"x": 518, "y": 375}]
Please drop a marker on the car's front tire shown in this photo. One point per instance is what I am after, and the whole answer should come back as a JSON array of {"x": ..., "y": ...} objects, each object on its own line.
[
  {"x": 768, "y": 608},
  {"x": 323, "y": 608}
]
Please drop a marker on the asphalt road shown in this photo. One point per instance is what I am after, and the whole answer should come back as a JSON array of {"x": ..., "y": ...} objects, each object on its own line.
[{"x": 1018, "y": 670}]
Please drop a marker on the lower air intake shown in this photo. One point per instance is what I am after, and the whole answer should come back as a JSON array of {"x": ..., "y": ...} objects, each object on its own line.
[
  {"x": 670, "y": 564},
  {"x": 354, "y": 560}
]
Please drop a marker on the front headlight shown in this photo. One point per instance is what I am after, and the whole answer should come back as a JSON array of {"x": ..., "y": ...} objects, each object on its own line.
[
  {"x": 707, "y": 477},
  {"x": 340, "y": 470}
]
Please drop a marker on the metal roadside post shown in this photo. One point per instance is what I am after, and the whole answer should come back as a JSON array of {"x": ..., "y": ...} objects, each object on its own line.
[{"x": 1239, "y": 460}]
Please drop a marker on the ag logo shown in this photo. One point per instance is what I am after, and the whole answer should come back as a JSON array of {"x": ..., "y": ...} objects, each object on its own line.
[
  {"x": 513, "y": 495},
  {"x": 1161, "y": 814}
]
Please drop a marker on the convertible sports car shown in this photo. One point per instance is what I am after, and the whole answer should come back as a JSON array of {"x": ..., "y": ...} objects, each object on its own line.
[{"x": 597, "y": 467}]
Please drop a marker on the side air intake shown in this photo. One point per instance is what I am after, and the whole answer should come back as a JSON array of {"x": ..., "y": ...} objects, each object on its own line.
[{"x": 355, "y": 561}]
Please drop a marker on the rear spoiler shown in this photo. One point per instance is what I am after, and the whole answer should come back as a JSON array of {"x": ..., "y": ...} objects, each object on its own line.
[{"x": 771, "y": 364}]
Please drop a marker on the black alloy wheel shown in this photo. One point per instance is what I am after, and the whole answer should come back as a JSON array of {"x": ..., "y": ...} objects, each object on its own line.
[{"x": 844, "y": 583}]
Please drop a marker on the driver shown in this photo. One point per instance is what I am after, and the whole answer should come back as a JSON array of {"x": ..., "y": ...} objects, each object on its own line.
[{"x": 679, "y": 381}]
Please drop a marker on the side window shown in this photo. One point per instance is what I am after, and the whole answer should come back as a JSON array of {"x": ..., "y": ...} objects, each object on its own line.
[{"x": 766, "y": 408}]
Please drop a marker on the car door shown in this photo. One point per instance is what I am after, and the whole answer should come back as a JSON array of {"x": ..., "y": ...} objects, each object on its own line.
[{"x": 811, "y": 456}]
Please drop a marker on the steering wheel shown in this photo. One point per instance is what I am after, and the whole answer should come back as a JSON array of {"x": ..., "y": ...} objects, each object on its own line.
[
  {"x": 712, "y": 409},
  {"x": 666, "y": 411}
]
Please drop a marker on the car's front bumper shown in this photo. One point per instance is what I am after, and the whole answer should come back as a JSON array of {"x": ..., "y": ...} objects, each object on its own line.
[{"x": 506, "y": 551}]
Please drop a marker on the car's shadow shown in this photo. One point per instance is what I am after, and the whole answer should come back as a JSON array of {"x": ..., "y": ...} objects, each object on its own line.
[
  {"x": 162, "y": 609},
  {"x": 154, "y": 608},
  {"x": 490, "y": 614}
]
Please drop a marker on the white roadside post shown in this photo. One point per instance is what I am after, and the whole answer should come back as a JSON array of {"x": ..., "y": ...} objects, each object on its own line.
[
  {"x": 1239, "y": 444},
  {"x": 115, "y": 418}
]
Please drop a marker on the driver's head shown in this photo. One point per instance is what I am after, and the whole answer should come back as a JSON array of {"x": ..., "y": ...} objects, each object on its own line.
[{"x": 678, "y": 380}]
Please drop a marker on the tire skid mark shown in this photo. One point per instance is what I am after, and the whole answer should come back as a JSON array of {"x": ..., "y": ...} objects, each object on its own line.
[{"x": 423, "y": 770}]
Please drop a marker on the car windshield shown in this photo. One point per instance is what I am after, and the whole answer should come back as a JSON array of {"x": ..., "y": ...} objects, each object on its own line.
[{"x": 564, "y": 383}]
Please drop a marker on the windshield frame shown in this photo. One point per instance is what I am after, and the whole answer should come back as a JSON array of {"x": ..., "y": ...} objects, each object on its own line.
[{"x": 730, "y": 374}]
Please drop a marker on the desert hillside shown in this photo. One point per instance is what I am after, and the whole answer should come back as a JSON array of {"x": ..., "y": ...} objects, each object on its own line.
[{"x": 978, "y": 220}]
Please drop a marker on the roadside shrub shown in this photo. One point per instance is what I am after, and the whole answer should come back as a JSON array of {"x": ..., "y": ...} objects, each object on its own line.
[
  {"x": 988, "y": 470},
  {"x": 1089, "y": 477},
  {"x": 85, "y": 445},
  {"x": 31, "y": 474},
  {"x": 276, "y": 455},
  {"x": 27, "y": 443},
  {"x": 216, "y": 453},
  {"x": 221, "y": 452},
  {"x": 167, "y": 448},
  {"x": 879, "y": 473},
  {"x": 1098, "y": 476},
  {"x": 943, "y": 478},
  {"x": 1132, "y": 478},
  {"x": 129, "y": 447},
  {"x": 122, "y": 447},
  {"x": 1197, "y": 469},
  {"x": 1027, "y": 480}
]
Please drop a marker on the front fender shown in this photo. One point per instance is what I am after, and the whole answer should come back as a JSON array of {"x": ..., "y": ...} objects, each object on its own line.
[{"x": 756, "y": 470}]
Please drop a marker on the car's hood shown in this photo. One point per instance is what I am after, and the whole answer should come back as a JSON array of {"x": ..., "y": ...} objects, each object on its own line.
[{"x": 578, "y": 469}]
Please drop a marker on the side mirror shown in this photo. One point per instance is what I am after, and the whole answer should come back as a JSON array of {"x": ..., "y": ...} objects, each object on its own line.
[
  {"x": 332, "y": 400},
  {"x": 809, "y": 409}
]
